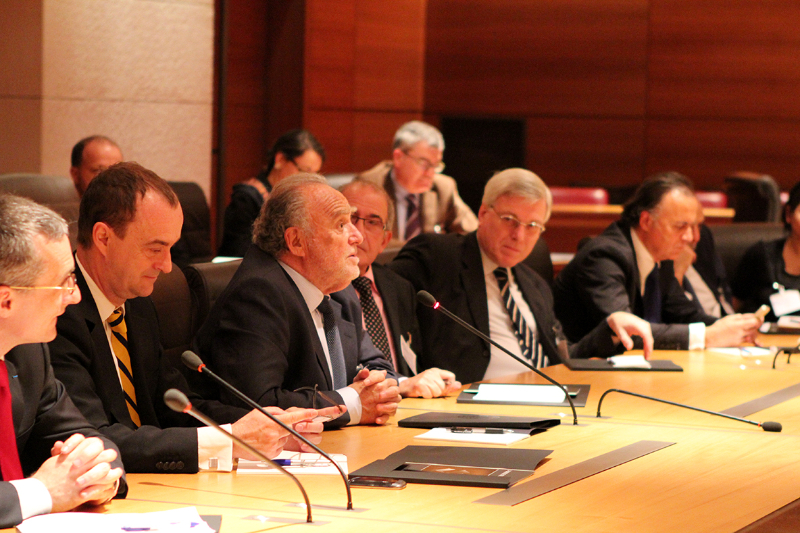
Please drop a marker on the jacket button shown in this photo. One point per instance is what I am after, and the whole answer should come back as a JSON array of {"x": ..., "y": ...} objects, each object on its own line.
[
  {"x": 160, "y": 465},
  {"x": 180, "y": 465},
  {"x": 172, "y": 465}
]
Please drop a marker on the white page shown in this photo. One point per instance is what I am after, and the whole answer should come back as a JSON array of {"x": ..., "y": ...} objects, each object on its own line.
[
  {"x": 478, "y": 438},
  {"x": 501, "y": 392},
  {"x": 629, "y": 361},
  {"x": 186, "y": 519},
  {"x": 313, "y": 463}
]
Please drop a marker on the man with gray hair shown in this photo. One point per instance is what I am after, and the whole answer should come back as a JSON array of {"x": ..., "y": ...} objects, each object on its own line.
[
  {"x": 289, "y": 324},
  {"x": 480, "y": 278},
  {"x": 425, "y": 200},
  {"x": 46, "y": 438}
]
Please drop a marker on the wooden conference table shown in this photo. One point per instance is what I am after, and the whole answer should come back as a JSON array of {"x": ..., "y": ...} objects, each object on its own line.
[{"x": 720, "y": 475}]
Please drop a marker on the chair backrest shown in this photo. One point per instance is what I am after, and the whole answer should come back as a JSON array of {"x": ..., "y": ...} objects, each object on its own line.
[
  {"x": 206, "y": 282},
  {"x": 176, "y": 316},
  {"x": 712, "y": 198},
  {"x": 755, "y": 197},
  {"x": 540, "y": 261},
  {"x": 56, "y": 192},
  {"x": 732, "y": 240},
  {"x": 194, "y": 245},
  {"x": 579, "y": 195}
]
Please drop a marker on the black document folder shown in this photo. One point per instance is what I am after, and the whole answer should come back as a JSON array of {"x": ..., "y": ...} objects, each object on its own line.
[
  {"x": 450, "y": 465},
  {"x": 467, "y": 420},
  {"x": 657, "y": 365}
]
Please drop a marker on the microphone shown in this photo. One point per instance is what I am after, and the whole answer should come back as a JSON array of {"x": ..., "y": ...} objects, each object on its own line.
[
  {"x": 178, "y": 402},
  {"x": 766, "y": 426},
  {"x": 788, "y": 350},
  {"x": 426, "y": 298},
  {"x": 193, "y": 361}
]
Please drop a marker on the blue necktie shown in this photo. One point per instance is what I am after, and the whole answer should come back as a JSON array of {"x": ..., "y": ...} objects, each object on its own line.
[
  {"x": 334, "y": 343},
  {"x": 652, "y": 297}
]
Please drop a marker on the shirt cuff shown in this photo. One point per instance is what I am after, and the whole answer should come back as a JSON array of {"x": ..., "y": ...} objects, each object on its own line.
[
  {"x": 352, "y": 401},
  {"x": 697, "y": 336},
  {"x": 213, "y": 445},
  {"x": 34, "y": 498}
]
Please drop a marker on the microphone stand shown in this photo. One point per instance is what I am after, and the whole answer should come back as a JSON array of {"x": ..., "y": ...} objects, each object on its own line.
[
  {"x": 766, "y": 426},
  {"x": 178, "y": 402},
  {"x": 426, "y": 298},
  {"x": 193, "y": 361}
]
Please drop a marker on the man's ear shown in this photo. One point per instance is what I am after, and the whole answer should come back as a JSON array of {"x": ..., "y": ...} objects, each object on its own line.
[
  {"x": 101, "y": 234},
  {"x": 646, "y": 220},
  {"x": 295, "y": 241},
  {"x": 387, "y": 236},
  {"x": 6, "y": 301}
]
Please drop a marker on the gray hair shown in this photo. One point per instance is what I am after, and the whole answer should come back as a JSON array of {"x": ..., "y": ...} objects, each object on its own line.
[
  {"x": 518, "y": 182},
  {"x": 21, "y": 220},
  {"x": 374, "y": 187},
  {"x": 417, "y": 131},
  {"x": 285, "y": 208}
]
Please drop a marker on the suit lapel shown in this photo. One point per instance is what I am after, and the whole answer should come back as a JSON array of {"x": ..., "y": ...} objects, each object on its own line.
[
  {"x": 389, "y": 295},
  {"x": 474, "y": 283},
  {"x": 388, "y": 186},
  {"x": 347, "y": 334},
  {"x": 541, "y": 314}
]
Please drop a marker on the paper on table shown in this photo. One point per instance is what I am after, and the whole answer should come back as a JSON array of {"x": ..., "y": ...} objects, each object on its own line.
[
  {"x": 629, "y": 361},
  {"x": 173, "y": 521},
  {"x": 478, "y": 438},
  {"x": 312, "y": 463},
  {"x": 499, "y": 392}
]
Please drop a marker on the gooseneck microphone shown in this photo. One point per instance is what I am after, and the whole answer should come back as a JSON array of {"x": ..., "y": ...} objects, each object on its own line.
[
  {"x": 178, "y": 402},
  {"x": 193, "y": 361},
  {"x": 766, "y": 426},
  {"x": 426, "y": 298}
]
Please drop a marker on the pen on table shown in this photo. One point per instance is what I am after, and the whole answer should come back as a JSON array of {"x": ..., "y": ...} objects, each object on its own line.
[
  {"x": 296, "y": 462},
  {"x": 488, "y": 431}
]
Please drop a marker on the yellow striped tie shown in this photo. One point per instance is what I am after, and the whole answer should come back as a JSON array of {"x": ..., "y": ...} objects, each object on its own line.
[{"x": 119, "y": 343}]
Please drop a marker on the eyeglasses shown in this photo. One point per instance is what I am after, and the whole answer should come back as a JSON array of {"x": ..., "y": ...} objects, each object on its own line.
[
  {"x": 512, "y": 223},
  {"x": 426, "y": 165},
  {"x": 371, "y": 224},
  {"x": 71, "y": 285},
  {"x": 325, "y": 397}
]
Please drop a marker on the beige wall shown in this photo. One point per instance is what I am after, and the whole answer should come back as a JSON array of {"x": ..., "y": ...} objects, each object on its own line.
[{"x": 139, "y": 71}]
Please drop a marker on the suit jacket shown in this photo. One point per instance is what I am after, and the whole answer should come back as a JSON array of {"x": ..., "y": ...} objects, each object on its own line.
[
  {"x": 241, "y": 213},
  {"x": 441, "y": 206},
  {"x": 451, "y": 269},
  {"x": 82, "y": 359},
  {"x": 603, "y": 277},
  {"x": 261, "y": 337},
  {"x": 399, "y": 304},
  {"x": 761, "y": 266},
  {"x": 43, "y": 414},
  {"x": 709, "y": 265}
]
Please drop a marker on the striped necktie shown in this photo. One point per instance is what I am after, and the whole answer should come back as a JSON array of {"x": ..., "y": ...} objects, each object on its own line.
[
  {"x": 413, "y": 225},
  {"x": 119, "y": 343},
  {"x": 334, "y": 341},
  {"x": 372, "y": 315},
  {"x": 9, "y": 457},
  {"x": 525, "y": 335}
]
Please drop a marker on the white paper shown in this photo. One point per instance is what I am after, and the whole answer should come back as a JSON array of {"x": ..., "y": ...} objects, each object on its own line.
[
  {"x": 629, "y": 361},
  {"x": 478, "y": 438},
  {"x": 312, "y": 463},
  {"x": 185, "y": 519},
  {"x": 507, "y": 393},
  {"x": 789, "y": 322},
  {"x": 408, "y": 354},
  {"x": 785, "y": 302}
]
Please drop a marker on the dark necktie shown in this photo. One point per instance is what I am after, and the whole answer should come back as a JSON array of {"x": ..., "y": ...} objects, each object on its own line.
[
  {"x": 652, "y": 297},
  {"x": 334, "y": 342},
  {"x": 372, "y": 315},
  {"x": 9, "y": 458},
  {"x": 525, "y": 336},
  {"x": 119, "y": 343},
  {"x": 413, "y": 225}
]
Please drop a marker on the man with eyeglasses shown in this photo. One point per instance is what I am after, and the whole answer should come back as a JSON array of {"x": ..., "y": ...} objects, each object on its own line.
[
  {"x": 42, "y": 434},
  {"x": 480, "y": 277},
  {"x": 425, "y": 200},
  {"x": 629, "y": 267},
  {"x": 388, "y": 301}
]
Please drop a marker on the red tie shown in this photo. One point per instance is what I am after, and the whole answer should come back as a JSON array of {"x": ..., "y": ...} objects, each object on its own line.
[{"x": 9, "y": 458}]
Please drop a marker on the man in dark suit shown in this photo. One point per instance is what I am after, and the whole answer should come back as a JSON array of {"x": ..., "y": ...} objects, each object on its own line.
[
  {"x": 289, "y": 323},
  {"x": 387, "y": 300},
  {"x": 107, "y": 351},
  {"x": 424, "y": 199},
  {"x": 700, "y": 272},
  {"x": 480, "y": 278},
  {"x": 629, "y": 268},
  {"x": 46, "y": 438}
]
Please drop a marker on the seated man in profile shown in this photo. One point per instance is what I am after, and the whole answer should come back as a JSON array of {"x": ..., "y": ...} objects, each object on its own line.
[
  {"x": 48, "y": 439},
  {"x": 108, "y": 352},
  {"x": 424, "y": 199},
  {"x": 480, "y": 278},
  {"x": 629, "y": 268},
  {"x": 91, "y": 156},
  {"x": 289, "y": 324}
]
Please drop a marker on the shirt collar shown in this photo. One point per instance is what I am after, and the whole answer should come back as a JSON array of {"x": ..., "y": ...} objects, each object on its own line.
[
  {"x": 104, "y": 306},
  {"x": 489, "y": 266},
  {"x": 644, "y": 260},
  {"x": 311, "y": 294},
  {"x": 370, "y": 275},
  {"x": 400, "y": 192}
]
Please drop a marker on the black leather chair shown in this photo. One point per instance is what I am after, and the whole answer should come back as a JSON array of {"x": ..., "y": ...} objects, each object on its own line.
[
  {"x": 176, "y": 313},
  {"x": 56, "y": 192},
  {"x": 755, "y": 197},
  {"x": 194, "y": 245},
  {"x": 732, "y": 240}
]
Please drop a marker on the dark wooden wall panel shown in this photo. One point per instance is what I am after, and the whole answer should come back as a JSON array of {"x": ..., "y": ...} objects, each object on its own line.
[
  {"x": 585, "y": 151},
  {"x": 536, "y": 58},
  {"x": 373, "y": 134},
  {"x": 330, "y": 55}
]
